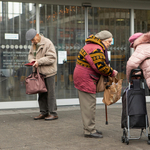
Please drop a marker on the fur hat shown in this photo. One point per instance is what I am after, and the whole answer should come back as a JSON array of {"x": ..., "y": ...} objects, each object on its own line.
[
  {"x": 103, "y": 35},
  {"x": 134, "y": 37}
]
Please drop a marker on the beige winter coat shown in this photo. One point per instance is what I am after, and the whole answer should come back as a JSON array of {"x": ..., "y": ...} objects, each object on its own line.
[{"x": 45, "y": 56}]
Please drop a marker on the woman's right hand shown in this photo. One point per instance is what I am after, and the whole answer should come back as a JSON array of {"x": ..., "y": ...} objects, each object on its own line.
[{"x": 115, "y": 73}]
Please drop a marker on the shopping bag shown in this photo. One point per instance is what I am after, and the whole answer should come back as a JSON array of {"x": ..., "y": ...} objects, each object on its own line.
[
  {"x": 101, "y": 84},
  {"x": 35, "y": 83},
  {"x": 112, "y": 92}
]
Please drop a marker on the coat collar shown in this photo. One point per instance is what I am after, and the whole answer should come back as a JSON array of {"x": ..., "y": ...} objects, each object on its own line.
[
  {"x": 42, "y": 40},
  {"x": 96, "y": 40}
]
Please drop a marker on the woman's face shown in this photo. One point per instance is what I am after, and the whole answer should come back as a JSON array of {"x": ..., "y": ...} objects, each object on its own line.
[{"x": 107, "y": 42}]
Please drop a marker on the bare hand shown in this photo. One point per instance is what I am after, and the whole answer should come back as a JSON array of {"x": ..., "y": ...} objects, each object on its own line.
[
  {"x": 36, "y": 64},
  {"x": 115, "y": 73}
]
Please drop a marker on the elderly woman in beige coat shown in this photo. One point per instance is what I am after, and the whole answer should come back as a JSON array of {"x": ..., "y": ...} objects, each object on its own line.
[{"x": 44, "y": 54}]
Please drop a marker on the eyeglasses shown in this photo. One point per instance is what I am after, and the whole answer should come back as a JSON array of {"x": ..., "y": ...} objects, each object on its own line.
[{"x": 109, "y": 41}]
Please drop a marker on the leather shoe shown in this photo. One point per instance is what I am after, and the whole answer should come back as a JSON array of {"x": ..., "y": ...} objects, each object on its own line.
[
  {"x": 40, "y": 117},
  {"x": 51, "y": 117},
  {"x": 94, "y": 135}
]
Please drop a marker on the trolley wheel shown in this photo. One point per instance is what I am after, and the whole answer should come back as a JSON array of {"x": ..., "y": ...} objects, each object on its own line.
[
  {"x": 148, "y": 136},
  {"x": 123, "y": 139},
  {"x": 148, "y": 142},
  {"x": 127, "y": 141}
]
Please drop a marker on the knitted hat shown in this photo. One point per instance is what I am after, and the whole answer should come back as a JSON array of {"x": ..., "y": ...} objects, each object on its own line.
[
  {"x": 104, "y": 35},
  {"x": 134, "y": 37},
  {"x": 30, "y": 34}
]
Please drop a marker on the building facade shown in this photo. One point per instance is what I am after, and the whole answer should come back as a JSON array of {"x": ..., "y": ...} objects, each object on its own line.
[{"x": 66, "y": 24}]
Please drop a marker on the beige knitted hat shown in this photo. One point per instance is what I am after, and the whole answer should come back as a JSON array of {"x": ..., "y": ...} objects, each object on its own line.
[{"x": 103, "y": 35}]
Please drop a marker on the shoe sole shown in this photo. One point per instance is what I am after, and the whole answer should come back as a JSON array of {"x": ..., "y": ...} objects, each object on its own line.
[
  {"x": 38, "y": 118},
  {"x": 89, "y": 136},
  {"x": 50, "y": 119}
]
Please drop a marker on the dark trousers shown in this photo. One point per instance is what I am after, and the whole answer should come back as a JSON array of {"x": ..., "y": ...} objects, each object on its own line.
[{"x": 47, "y": 101}]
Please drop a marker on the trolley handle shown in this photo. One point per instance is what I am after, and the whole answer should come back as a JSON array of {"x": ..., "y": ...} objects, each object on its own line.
[{"x": 136, "y": 75}]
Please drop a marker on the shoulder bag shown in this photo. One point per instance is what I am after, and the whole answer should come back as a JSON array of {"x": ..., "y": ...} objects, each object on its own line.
[{"x": 101, "y": 84}]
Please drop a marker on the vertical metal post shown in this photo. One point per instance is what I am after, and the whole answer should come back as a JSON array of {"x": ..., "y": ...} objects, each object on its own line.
[
  {"x": 131, "y": 27},
  {"x": 86, "y": 22},
  {"x": 128, "y": 126},
  {"x": 37, "y": 18},
  {"x": 146, "y": 118},
  {"x": 37, "y": 22}
]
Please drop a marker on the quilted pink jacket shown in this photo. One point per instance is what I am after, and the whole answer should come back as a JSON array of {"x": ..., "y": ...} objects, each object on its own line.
[{"x": 140, "y": 57}]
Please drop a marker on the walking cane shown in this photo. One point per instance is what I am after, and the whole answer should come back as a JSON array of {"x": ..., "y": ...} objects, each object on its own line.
[{"x": 106, "y": 114}]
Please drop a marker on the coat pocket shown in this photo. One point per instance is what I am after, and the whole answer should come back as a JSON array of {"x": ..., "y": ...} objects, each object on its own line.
[{"x": 95, "y": 78}]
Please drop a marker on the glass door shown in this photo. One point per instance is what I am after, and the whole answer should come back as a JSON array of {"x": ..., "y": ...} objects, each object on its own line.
[
  {"x": 117, "y": 21},
  {"x": 15, "y": 20},
  {"x": 64, "y": 26}
]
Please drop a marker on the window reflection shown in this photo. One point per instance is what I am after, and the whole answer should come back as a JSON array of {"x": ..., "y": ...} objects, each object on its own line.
[
  {"x": 65, "y": 26},
  {"x": 16, "y": 19},
  {"x": 117, "y": 22},
  {"x": 142, "y": 23}
]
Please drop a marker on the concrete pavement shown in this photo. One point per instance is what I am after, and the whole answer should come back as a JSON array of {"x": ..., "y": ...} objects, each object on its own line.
[{"x": 18, "y": 130}]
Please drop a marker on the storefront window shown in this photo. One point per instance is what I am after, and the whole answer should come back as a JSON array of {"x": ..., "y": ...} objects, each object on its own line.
[
  {"x": 117, "y": 21},
  {"x": 64, "y": 26},
  {"x": 15, "y": 20},
  {"x": 142, "y": 24},
  {"x": 142, "y": 21}
]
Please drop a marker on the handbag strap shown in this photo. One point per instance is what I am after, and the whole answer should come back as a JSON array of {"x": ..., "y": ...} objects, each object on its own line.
[
  {"x": 38, "y": 74},
  {"x": 36, "y": 71}
]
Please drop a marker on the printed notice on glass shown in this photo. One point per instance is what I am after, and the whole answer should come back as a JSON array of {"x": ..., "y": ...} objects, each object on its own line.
[
  {"x": 62, "y": 56},
  {"x": 11, "y": 36}
]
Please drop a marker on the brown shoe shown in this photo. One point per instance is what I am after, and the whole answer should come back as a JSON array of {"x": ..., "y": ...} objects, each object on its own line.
[
  {"x": 40, "y": 117},
  {"x": 51, "y": 117}
]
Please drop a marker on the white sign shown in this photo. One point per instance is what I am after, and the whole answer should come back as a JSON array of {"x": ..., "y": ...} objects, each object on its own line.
[
  {"x": 62, "y": 56},
  {"x": 112, "y": 43},
  {"x": 109, "y": 55},
  {"x": 11, "y": 36}
]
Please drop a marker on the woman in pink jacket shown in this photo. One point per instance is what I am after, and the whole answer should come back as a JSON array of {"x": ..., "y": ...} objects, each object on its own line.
[{"x": 141, "y": 56}]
